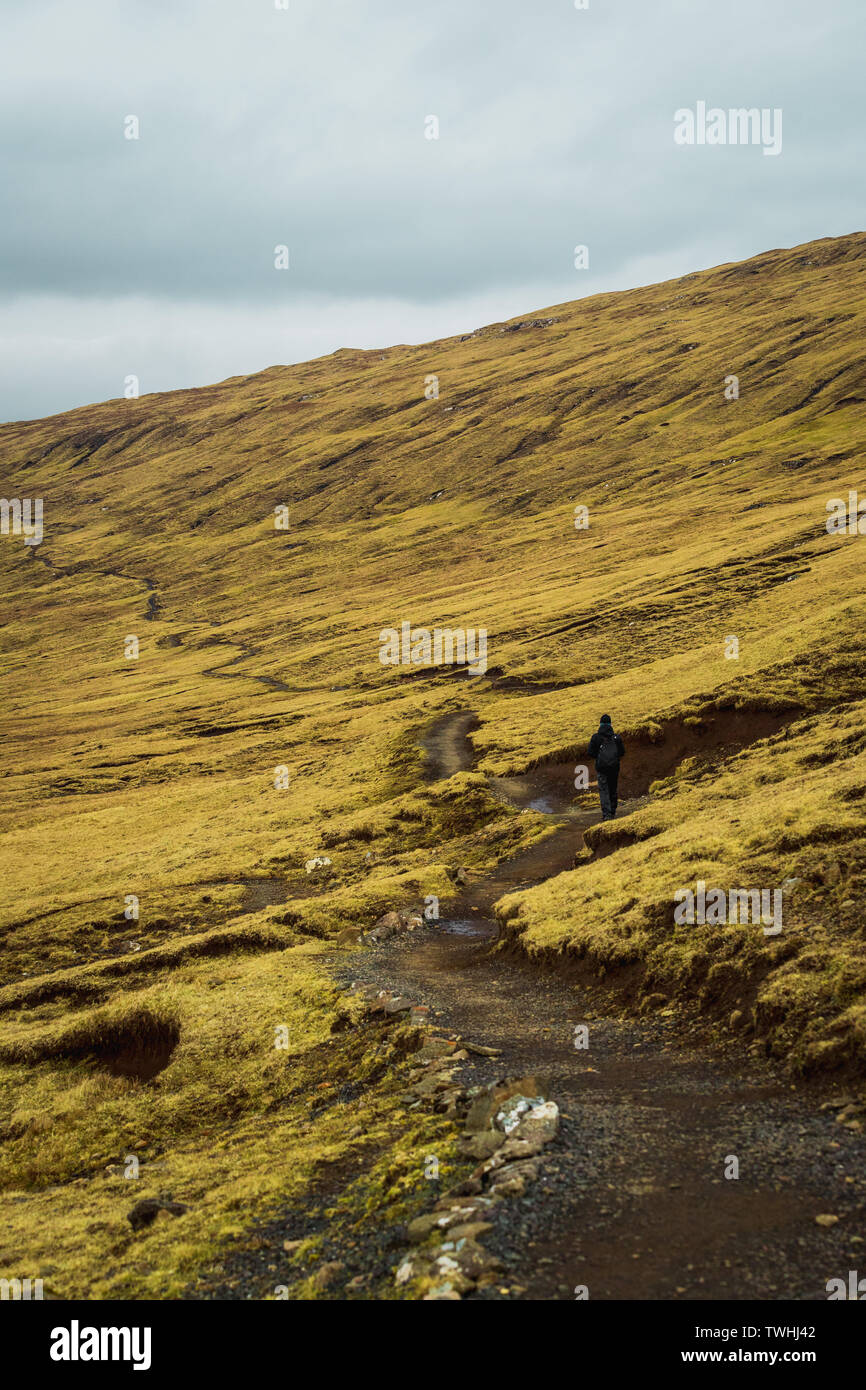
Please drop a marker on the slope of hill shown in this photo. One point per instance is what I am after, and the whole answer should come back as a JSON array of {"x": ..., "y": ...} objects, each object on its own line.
[{"x": 257, "y": 727}]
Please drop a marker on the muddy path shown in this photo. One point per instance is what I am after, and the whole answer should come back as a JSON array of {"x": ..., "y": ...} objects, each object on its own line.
[
  {"x": 632, "y": 1200},
  {"x": 447, "y": 746}
]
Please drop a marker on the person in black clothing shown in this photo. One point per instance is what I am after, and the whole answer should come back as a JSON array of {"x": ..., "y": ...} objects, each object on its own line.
[{"x": 608, "y": 750}]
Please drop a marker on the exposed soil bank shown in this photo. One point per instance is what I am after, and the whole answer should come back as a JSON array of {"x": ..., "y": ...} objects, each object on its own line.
[
  {"x": 138, "y": 1046},
  {"x": 647, "y": 759},
  {"x": 141, "y": 1059}
]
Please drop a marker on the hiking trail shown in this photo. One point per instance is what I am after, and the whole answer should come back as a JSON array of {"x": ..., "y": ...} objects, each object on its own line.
[{"x": 631, "y": 1200}]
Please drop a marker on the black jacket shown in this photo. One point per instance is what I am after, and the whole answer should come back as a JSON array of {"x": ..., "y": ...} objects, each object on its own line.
[{"x": 595, "y": 742}]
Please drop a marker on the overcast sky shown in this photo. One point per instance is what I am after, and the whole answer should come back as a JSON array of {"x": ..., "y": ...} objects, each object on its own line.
[{"x": 305, "y": 127}]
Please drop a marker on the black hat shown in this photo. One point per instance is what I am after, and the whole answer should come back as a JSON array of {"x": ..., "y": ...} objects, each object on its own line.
[{"x": 605, "y": 719}]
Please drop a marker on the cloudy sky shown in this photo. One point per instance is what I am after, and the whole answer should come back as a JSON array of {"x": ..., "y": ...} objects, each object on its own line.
[{"x": 305, "y": 126}]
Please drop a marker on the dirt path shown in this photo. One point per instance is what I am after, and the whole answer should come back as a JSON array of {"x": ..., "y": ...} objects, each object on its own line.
[
  {"x": 632, "y": 1200},
  {"x": 447, "y": 745}
]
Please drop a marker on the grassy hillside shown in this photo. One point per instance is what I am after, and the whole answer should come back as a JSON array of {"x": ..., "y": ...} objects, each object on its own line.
[{"x": 259, "y": 650}]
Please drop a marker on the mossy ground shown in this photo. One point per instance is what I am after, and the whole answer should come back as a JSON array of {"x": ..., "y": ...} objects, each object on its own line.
[{"x": 259, "y": 650}]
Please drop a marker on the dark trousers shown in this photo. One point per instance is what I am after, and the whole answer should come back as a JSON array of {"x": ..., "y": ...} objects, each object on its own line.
[{"x": 607, "y": 792}]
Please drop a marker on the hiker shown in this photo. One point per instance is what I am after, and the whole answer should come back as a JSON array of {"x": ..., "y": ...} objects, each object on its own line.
[{"x": 608, "y": 750}]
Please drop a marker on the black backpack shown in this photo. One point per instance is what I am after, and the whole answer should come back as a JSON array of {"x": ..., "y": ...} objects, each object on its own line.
[{"x": 607, "y": 757}]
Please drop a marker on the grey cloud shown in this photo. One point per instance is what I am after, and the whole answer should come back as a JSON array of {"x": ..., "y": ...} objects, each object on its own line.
[{"x": 260, "y": 127}]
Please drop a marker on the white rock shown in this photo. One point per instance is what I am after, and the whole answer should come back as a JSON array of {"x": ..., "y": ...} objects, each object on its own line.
[
  {"x": 540, "y": 1123},
  {"x": 320, "y": 862}
]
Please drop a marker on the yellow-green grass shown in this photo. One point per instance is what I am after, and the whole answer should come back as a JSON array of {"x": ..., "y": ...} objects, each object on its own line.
[
  {"x": 155, "y": 777},
  {"x": 231, "y": 1127}
]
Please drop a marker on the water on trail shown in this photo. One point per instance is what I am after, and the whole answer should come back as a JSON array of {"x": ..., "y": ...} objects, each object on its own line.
[{"x": 634, "y": 1199}]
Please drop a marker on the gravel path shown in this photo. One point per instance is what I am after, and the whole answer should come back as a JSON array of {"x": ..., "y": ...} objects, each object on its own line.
[{"x": 632, "y": 1200}]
